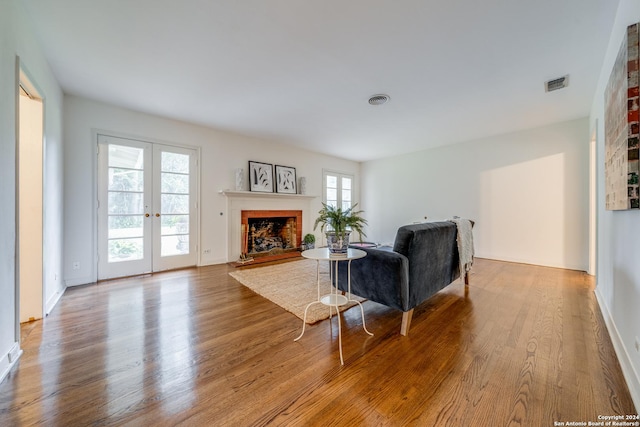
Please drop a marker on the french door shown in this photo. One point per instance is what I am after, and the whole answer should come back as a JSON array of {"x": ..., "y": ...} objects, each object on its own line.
[{"x": 147, "y": 207}]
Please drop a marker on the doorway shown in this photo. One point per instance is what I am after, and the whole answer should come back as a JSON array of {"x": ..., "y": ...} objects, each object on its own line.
[
  {"x": 147, "y": 207},
  {"x": 593, "y": 199},
  {"x": 30, "y": 168}
]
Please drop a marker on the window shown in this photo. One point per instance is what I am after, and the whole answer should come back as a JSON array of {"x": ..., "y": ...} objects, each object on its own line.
[{"x": 338, "y": 189}]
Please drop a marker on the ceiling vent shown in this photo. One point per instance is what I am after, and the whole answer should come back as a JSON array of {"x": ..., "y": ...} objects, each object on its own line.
[
  {"x": 379, "y": 99},
  {"x": 556, "y": 84}
]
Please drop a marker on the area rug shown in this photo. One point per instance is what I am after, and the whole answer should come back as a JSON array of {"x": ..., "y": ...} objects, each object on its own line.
[{"x": 291, "y": 285}]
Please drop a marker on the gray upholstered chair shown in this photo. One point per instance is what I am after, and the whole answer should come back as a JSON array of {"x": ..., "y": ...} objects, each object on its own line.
[{"x": 424, "y": 259}]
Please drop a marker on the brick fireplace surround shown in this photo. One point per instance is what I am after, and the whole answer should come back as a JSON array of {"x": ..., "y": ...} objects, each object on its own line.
[{"x": 270, "y": 235}]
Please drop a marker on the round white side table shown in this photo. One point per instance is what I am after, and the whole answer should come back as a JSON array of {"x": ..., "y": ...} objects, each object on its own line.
[{"x": 333, "y": 298}]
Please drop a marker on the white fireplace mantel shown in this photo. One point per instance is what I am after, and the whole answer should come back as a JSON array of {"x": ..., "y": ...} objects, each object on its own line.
[
  {"x": 237, "y": 201},
  {"x": 258, "y": 194}
]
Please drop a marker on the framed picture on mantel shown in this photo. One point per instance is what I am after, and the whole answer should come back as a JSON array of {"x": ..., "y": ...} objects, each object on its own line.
[
  {"x": 285, "y": 179},
  {"x": 261, "y": 177}
]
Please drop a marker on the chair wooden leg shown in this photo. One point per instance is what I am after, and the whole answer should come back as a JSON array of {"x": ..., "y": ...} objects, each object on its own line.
[
  {"x": 406, "y": 322},
  {"x": 467, "y": 277}
]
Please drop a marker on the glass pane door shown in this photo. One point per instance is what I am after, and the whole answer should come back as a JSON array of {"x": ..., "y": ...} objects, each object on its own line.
[
  {"x": 123, "y": 214},
  {"x": 175, "y": 207},
  {"x": 147, "y": 207},
  {"x": 126, "y": 203}
]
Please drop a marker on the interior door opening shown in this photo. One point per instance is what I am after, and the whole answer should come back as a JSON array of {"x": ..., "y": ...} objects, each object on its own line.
[{"x": 30, "y": 208}]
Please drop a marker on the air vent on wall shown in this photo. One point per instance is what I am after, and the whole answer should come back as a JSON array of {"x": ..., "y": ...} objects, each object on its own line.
[
  {"x": 556, "y": 84},
  {"x": 379, "y": 99}
]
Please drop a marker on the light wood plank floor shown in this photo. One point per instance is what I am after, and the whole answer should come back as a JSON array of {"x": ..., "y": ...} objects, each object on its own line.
[{"x": 526, "y": 346}]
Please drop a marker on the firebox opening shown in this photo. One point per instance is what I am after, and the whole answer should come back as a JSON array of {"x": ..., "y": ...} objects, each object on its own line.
[{"x": 271, "y": 233}]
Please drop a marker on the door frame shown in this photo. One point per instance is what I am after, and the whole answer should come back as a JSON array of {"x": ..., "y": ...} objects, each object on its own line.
[
  {"x": 95, "y": 132},
  {"x": 593, "y": 201},
  {"x": 25, "y": 79}
]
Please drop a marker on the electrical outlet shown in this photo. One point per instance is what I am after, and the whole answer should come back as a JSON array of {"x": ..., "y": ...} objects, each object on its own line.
[
  {"x": 76, "y": 265},
  {"x": 206, "y": 251}
]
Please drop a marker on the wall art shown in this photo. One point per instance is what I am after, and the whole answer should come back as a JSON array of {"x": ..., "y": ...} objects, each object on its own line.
[
  {"x": 285, "y": 179},
  {"x": 621, "y": 127},
  {"x": 261, "y": 176}
]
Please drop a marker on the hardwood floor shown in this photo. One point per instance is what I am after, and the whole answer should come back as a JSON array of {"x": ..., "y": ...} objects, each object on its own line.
[{"x": 526, "y": 346}]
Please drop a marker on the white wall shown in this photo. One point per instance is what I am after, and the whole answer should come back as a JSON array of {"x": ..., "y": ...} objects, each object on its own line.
[
  {"x": 18, "y": 39},
  {"x": 618, "y": 269},
  {"x": 221, "y": 154},
  {"x": 527, "y": 192}
]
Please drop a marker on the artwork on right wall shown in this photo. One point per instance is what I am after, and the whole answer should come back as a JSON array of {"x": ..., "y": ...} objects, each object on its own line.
[{"x": 622, "y": 127}]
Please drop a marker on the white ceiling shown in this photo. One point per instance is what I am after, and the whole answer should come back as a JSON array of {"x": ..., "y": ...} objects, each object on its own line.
[{"x": 301, "y": 71}]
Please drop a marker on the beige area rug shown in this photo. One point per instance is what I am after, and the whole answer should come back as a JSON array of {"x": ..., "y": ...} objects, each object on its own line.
[{"x": 291, "y": 285}]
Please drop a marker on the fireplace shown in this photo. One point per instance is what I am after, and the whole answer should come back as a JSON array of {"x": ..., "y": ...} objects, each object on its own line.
[
  {"x": 240, "y": 201},
  {"x": 271, "y": 234}
]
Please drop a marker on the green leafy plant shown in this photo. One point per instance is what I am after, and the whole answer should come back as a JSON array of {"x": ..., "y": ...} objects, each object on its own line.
[
  {"x": 122, "y": 249},
  {"x": 340, "y": 221},
  {"x": 309, "y": 238}
]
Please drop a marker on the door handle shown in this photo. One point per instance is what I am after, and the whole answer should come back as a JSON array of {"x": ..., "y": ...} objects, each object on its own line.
[
  {"x": 157, "y": 215},
  {"x": 146, "y": 215}
]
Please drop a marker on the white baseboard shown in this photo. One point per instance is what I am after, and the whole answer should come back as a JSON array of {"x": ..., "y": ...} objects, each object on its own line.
[
  {"x": 214, "y": 261},
  {"x": 517, "y": 260},
  {"x": 79, "y": 282},
  {"x": 54, "y": 300},
  {"x": 628, "y": 371},
  {"x": 9, "y": 360}
]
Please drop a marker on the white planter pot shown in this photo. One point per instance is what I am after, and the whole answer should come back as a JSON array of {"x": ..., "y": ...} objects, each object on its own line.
[{"x": 337, "y": 243}]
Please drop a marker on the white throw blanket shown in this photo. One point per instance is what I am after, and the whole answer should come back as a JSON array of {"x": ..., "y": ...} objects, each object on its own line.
[{"x": 465, "y": 244}]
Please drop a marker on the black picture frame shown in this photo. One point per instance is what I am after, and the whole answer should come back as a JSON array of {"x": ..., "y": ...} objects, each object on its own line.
[
  {"x": 286, "y": 180},
  {"x": 260, "y": 177}
]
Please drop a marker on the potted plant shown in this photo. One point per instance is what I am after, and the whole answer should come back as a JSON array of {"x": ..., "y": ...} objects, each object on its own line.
[
  {"x": 339, "y": 224},
  {"x": 308, "y": 241}
]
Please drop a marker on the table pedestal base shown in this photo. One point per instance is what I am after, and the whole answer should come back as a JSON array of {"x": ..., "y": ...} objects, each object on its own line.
[
  {"x": 337, "y": 307},
  {"x": 333, "y": 299}
]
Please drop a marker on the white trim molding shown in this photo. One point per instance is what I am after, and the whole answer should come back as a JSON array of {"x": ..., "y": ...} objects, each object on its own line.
[
  {"x": 9, "y": 360},
  {"x": 629, "y": 373}
]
